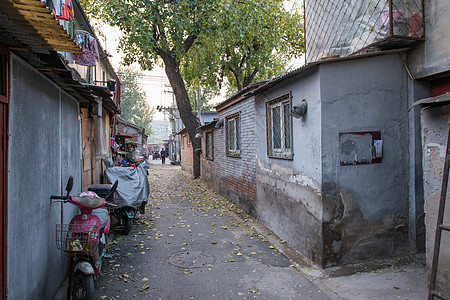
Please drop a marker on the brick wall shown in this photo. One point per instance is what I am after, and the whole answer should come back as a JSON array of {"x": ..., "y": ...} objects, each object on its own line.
[{"x": 234, "y": 177}]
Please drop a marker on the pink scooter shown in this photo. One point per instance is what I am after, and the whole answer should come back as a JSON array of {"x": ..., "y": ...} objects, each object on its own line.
[{"x": 84, "y": 240}]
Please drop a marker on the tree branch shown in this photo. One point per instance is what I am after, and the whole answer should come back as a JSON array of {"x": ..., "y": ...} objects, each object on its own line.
[
  {"x": 294, "y": 44},
  {"x": 238, "y": 83},
  {"x": 244, "y": 58},
  {"x": 189, "y": 42},
  {"x": 248, "y": 79}
]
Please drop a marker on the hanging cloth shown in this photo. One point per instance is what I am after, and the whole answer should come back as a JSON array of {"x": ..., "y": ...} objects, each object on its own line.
[
  {"x": 66, "y": 10},
  {"x": 90, "y": 56},
  {"x": 49, "y": 4},
  {"x": 55, "y": 6}
]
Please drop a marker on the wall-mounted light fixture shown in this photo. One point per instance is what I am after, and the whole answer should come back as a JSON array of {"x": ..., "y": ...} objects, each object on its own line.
[
  {"x": 299, "y": 110},
  {"x": 219, "y": 124}
]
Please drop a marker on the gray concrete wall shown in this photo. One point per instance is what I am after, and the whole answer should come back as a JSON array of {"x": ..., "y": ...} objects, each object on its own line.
[
  {"x": 289, "y": 191},
  {"x": 433, "y": 56},
  {"x": 416, "y": 92},
  {"x": 435, "y": 124},
  {"x": 44, "y": 149},
  {"x": 236, "y": 176},
  {"x": 365, "y": 206}
]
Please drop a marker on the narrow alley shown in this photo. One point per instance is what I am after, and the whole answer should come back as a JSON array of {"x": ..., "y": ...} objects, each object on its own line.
[{"x": 190, "y": 244}]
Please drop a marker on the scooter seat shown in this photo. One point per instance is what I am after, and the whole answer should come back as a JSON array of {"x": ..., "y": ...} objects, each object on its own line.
[
  {"x": 102, "y": 213},
  {"x": 89, "y": 202}
]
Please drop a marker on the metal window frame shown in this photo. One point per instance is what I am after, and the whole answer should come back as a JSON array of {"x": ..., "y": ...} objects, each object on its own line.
[
  {"x": 283, "y": 152},
  {"x": 237, "y": 131}
]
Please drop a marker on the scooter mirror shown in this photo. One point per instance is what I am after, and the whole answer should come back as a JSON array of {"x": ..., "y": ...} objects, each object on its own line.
[
  {"x": 114, "y": 187},
  {"x": 69, "y": 185},
  {"x": 112, "y": 190}
]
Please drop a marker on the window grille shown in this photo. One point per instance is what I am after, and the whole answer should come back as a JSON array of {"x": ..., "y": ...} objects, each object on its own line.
[
  {"x": 233, "y": 136},
  {"x": 279, "y": 127},
  {"x": 338, "y": 28},
  {"x": 209, "y": 145}
]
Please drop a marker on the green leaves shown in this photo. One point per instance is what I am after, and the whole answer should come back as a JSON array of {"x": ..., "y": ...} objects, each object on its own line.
[
  {"x": 134, "y": 104},
  {"x": 251, "y": 40},
  {"x": 239, "y": 42}
]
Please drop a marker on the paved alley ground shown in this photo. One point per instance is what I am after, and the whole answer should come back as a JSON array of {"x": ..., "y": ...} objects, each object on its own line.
[
  {"x": 190, "y": 244},
  {"x": 193, "y": 244}
]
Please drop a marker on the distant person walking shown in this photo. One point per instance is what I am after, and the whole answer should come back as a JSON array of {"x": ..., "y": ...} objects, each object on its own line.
[{"x": 163, "y": 156}]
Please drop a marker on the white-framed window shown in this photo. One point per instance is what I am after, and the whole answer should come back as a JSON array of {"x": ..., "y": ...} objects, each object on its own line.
[
  {"x": 279, "y": 127},
  {"x": 209, "y": 145},
  {"x": 233, "y": 127}
]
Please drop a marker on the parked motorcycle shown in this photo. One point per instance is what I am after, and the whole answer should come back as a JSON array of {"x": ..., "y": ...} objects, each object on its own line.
[
  {"x": 84, "y": 240},
  {"x": 131, "y": 195},
  {"x": 123, "y": 215}
]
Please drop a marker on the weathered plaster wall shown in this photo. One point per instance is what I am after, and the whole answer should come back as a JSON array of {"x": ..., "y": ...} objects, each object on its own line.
[
  {"x": 289, "y": 191},
  {"x": 365, "y": 206},
  {"x": 434, "y": 137},
  {"x": 433, "y": 56},
  {"x": 44, "y": 149},
  {"x": 88, "y": 150},
  {"x": 186, "y": 162},
  {"x": 416, "y": 199},
  {"x": 236, "y": 176}
]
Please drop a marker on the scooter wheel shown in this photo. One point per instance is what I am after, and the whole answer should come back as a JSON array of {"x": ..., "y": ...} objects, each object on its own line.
[
  {"x": 128, "y": 224},
  {"x": 82, "y": 287}
]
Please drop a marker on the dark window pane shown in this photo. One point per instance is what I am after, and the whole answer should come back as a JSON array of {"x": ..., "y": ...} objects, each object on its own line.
[
  {"x": 276, "y": 127},
  {"x": 238, "y": 140},
  {"x": 231, "y": 135},
  {"x": 287, "y": 126}
]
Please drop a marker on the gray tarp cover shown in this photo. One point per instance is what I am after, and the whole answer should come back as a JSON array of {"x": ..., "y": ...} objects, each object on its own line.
[{"x": 133, "y": 186}]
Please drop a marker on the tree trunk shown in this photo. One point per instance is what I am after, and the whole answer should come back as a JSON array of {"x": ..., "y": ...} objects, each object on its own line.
[{"x": 191, "y": 122}]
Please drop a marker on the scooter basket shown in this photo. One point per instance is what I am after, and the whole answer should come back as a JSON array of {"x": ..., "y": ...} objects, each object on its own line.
[{"x": 76, "y": 237}]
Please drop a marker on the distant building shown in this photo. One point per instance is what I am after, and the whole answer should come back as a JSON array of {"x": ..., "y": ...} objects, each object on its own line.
[
  {"x": 161, "y": 130},
  {"x": 183, "y": 148},
  {"x": 131, "y": 138}
]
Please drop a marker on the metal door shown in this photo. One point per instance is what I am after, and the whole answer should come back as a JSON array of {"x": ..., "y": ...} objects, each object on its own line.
[{"x": 4, "y": 110}]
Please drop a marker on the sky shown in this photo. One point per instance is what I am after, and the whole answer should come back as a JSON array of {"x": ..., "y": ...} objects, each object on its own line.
[{"x": 155, "y": 82}]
